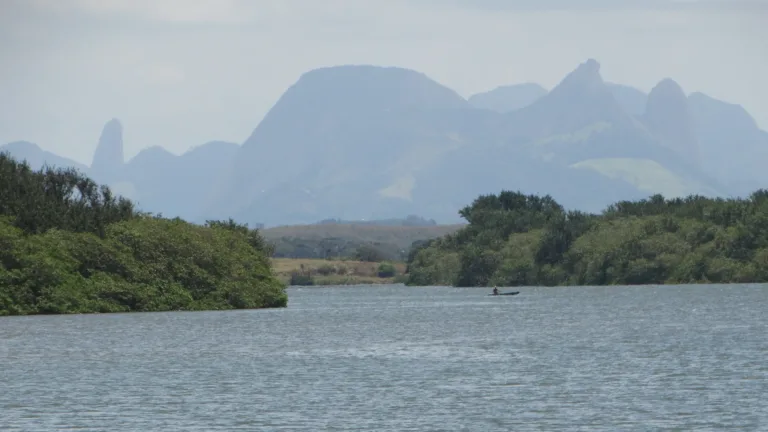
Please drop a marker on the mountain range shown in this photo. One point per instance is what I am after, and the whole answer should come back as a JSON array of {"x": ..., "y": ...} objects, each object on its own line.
[{"x": 361, "y": 142}]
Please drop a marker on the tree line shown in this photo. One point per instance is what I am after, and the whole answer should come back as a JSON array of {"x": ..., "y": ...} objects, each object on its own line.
[
  {"x": 69, "y": 245},
  {"x": 514, "y": 239}
]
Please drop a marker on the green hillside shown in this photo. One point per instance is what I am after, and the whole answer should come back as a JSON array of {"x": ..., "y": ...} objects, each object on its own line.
[{"x": 646, "y": 175}]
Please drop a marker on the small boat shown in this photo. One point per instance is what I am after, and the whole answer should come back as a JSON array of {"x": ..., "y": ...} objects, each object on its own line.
[{"x": 506, "y": 293}]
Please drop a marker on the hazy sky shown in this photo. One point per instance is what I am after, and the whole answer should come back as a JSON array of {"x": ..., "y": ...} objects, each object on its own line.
[{"x": 179, "y": 73}]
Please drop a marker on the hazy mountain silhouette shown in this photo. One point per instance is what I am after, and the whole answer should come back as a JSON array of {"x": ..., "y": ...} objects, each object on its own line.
[
  {"x": 580, "y": 125},
  {"x": 159, "y": 181},
  {"x": 732, "y": 147},
  {"x": 632, "y": 100},
  {"x": 668, "y": 117},
  {"x": 367, "y": 142},
  {"x": 108, "y": 159},
  {"x": 508, "y": 98},
  {"x": 37, "y": 157},
  {"x": 334, "y": 140},
  {"x": 581, "y": 100},
  {"x": 178, "y": 185}
]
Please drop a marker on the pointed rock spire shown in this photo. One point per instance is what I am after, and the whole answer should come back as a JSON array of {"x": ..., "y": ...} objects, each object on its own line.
[{"x": 108, "y": 159}]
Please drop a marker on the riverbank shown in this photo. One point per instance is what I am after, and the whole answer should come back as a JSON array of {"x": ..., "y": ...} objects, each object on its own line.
[
  {"x": 297, "y": 271},
  {"x": 514, "y": 239},
  {"x": 70, "y": 246}
]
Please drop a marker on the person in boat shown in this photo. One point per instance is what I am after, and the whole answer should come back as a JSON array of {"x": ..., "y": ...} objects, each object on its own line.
[{"x": 495, "y": 291}]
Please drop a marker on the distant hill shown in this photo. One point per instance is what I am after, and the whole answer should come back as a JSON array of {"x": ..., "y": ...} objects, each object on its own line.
[
  {"x": 345, "y": 240},
  {"x": 157, "y": 180},
  {"x": 411, "y": 220},
  {"x": 178, "y": 185},
  {"x": 577, "y": 144},
  {"x": 343, "y": 142},
  {"x": 348, "y": 145},
  {"x": 508, "y": 98},
  {"x": 370, "y": 145},
  {"x": 37, "y": 157}
]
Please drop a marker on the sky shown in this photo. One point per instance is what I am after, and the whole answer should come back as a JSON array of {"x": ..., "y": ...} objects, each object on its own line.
[{"x": 179, "y": 73}]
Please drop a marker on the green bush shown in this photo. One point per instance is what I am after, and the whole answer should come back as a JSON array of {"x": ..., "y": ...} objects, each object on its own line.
[
  {"x": 69, "y": 246},
  {"x": 301, "y": 279},
  {"x": 386, "y": 270},
  {"x": 514, "y": 239}
]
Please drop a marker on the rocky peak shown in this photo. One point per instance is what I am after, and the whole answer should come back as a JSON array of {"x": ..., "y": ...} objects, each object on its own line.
[
  {"x": 108, "y": 159},
  {"x": 585, "y": 77},
  {"x": 665, "y": 92},
  {"x": 582, "y": 99},
  {"x": 668, "y": 116},
  {"x": 584, "y": 85}
]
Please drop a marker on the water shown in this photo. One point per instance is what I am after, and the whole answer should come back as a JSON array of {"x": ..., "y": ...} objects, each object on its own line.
[{"x": 402, "y": 359}]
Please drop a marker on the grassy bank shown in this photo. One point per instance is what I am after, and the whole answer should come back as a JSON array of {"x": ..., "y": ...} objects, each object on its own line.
[{"x": 335, "y": 272}]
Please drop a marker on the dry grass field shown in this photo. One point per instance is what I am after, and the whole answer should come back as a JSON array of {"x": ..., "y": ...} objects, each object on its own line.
[{"x": 334, "y": 272}]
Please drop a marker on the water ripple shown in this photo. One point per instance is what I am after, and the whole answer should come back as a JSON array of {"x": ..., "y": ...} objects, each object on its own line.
[{"x": 401, "y": 359}]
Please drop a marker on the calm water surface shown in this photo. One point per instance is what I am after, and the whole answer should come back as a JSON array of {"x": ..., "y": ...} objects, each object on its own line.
[{"x": 402, "y": 359}]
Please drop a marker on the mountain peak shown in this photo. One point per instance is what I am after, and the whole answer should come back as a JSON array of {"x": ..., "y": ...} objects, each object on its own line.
[
  {"x": 20, "y": 146},
  {"x": 36, "y": 157},
  {"x": 355, "y": 87},
  {"x": 586, "y": 74},
  {"x": 112, "y": 131},
  {"x": 584, "y": 83},
  {"x": 666, "y": 98},
  {"x": 668, "y": 87},
  {"x": 108, "y": 158},
  {"x": 324, "y": 96},
  {"x": 668, "y": 116},
  {"x": 591, "y": 66},
  {"x": 582, "y": 99}
]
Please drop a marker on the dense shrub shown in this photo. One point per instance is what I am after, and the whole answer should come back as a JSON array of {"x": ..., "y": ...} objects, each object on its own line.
[
  {"x": 386, "y": 270},
  {"x": 68, "y": 245},
  {"x": 301, "y": 279},
  {"x": 514, "y": 239}
]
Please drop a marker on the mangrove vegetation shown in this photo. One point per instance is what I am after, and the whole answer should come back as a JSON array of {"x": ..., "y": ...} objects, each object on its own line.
[
  {"x": 514, "y": 239},
  {"x": 69, "y": 245}
]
